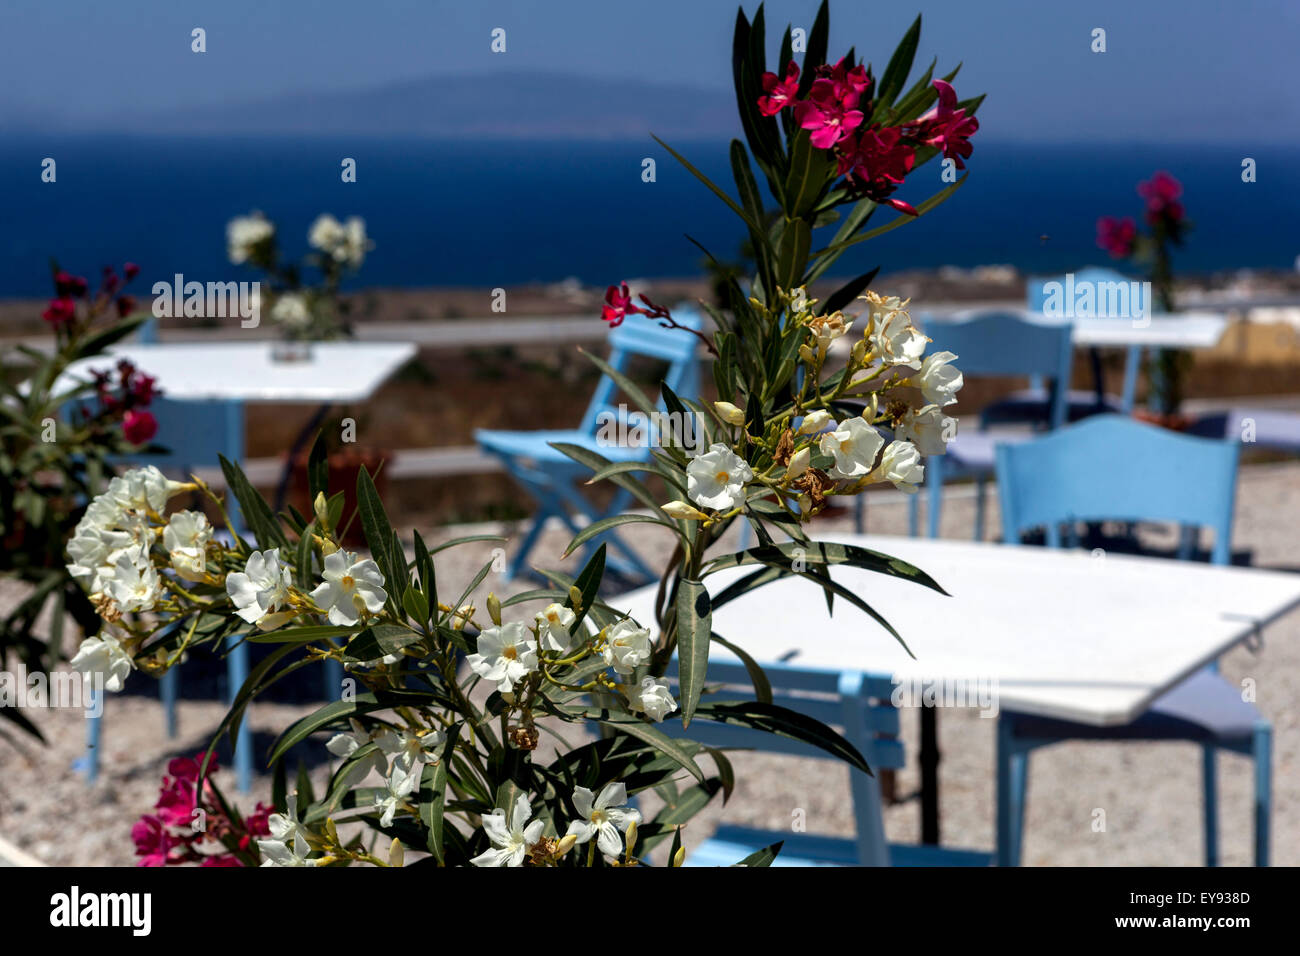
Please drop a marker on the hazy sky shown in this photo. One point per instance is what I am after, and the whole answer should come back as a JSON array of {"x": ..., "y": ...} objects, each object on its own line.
[{"x": 1189, "y": 70}]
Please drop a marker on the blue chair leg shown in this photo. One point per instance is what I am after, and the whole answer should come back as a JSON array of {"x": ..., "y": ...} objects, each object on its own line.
[
  {"x": 167, "y": 690},
  {"x": 1019, "y": 801},
  {"x": 237, "y": 673},
  {"x": 981, "y": 485},
  {"x": 934, "y": 492},
  {"x": 333, "y": 678},
  {"x": 1263, "y": 754},
  {"x": 94, "y": 727},
  {"x": 860, "y": 513},
  {"x": 1210, "y": 784},
  {"x": 1004, "y": 848},
  {"x": 526, "y": 546}
]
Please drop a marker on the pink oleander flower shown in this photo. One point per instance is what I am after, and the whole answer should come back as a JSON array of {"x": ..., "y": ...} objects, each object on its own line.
[
  {"x": 828, "y": 112},
  {"x": 618, "y": 305},
  {"x": 1161, "y": 192},
  {"x": 125, "y": 306},
  {"x": 60, "y": 311},
  {"x": 152, "y": 841},
  {"x": 876, "y": 162},
  {"x": 130, "y": 270},
  {"x": 780, "y": 92},
  {"x": 67, "y": 285},
  {"x": 221, "y": 859},
  {"x": 139, "y": 427},
  {"x": 1116, "y": 236},
  {"x": 947, "y": 128},
  {"x": 846, "y": 85}
]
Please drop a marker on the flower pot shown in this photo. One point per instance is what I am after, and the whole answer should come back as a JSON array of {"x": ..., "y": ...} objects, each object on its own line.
[
  {"x": 1175, "y": 421},
  {"x": 287, "y": 350}
]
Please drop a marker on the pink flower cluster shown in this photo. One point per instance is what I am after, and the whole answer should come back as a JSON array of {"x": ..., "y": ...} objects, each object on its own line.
[
  {"x": 1164, "y": 213},
  {"x": 169, "y": 836},
  {"x": 129, "y": 395},
  {"x": 619, "y": 305},
  {"x": 874, "y": 159},
  {"x": 62, "y": 309}
]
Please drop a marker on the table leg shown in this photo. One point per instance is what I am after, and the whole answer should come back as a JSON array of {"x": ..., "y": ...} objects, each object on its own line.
[
  {"x": 1098, "y": 377},
  {"x": 929, "y": 757}
]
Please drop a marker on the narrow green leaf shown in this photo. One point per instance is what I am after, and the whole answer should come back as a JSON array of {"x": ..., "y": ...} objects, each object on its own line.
[{"x": 694, "y": 620}]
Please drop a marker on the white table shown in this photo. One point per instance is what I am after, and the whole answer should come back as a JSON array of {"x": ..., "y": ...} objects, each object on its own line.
[
  {"x": 336, "y": 372},
  {"x": 1064, "y": 634}
]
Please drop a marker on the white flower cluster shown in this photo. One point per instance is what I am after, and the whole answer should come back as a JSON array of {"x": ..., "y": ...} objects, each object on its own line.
[
  {"x": 344, "y": 242},
  {"x": 110, "y": 552},
  {"x": 400, "y": 757},
  {"x": 513, "y": 834},
  {"x": 244, "y": 234},
  {"x": 508, "y": 654}
]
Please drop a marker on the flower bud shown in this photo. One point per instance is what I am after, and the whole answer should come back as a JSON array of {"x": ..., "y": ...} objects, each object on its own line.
[
  {"x": 680, "y": 856},
  {"x": 799, "y": 463},
  {"x": 396, "y": 853},
  {"x": 575, "y": 597},
  {"x": 321, "y": 507},
  {"x": 566, "y": 844},
  {"x": 494, "y": 608},
  {"x": 729, "y": 413},
  {"x": 814, "y": 422},
  {"x": 680, "y": 509}
]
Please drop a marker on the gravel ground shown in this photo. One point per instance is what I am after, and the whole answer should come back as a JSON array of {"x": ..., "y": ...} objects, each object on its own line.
[{"x": 1150, "y": 792}]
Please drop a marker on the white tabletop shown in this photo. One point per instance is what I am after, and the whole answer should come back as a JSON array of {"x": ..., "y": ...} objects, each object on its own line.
[
  {"x": 336, "y": 372},
  {"x": 1064, "y": 634}
]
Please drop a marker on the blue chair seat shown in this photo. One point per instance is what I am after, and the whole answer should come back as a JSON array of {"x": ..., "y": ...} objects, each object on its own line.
[
  {"x": 1268, "y": 428},
  {"x": 731, "y": 843},
  {"x": 976, "y": 451},
  {"x": 1203, "y": 708},
  {"x": 1034, "y": 405},
  {"x": 536, "y": 446}
]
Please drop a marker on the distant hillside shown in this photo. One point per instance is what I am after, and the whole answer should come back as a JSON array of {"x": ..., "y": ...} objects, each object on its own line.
[{"x": 502, "y": 105}]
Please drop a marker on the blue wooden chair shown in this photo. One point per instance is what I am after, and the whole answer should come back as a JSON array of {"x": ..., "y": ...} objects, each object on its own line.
[
  {"x": 194, "y": 434},
  {"x": 1068, "y": 477},
  {"x": 1272, "y": 429},
  {"x": 1083, "y": 404},
  {"x": 989, "y": 342},
  {"x": 858, "y": 704},
  {"x": 550, "y": 476}
]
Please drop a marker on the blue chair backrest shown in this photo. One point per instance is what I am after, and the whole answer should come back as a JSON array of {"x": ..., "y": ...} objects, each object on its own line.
[
  {"x": 1099, "y": 277},
  {"x": 638, "y": 335},
  {"x": 1110, "y": 467},
  {"x": 194, "y": 433},
  {"x": 992, "y": 342},
  {"x": 856, "y": 702}
]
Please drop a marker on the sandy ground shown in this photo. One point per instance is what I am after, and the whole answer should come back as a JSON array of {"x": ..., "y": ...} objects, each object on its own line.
[{"x": 1150, "y": 792}]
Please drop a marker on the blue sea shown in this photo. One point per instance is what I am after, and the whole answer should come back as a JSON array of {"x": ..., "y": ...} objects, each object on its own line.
[{"x": 497, "y": 214}]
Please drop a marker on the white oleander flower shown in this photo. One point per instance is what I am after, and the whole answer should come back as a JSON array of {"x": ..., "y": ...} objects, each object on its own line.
[
  {"x": 104, "y": 654},
  {"x": 901, "y": 464},
  {"x": 854, "y": 445},
  {"x": 627, "y": 646},
  {"x": 244, "y": 233},
  {"x": 928, "y": 428},
  {"x": 604, "y": 817},
  {"x": 510, "y": 839},
  {"x": 344, "y": 745},
  {"x": 939, "y": 380},
  {"x": 827, "y": 328},
  {"x": 349, "y": 585},
  {"x": 400, "y": 785},
  {"x": 716, "y": 479},
  {"x": 553, "y": 623},
  {"x": 288, "y": 845},
  {"x": 143, "y": 489},
  {"x": 186, "y": 539},
  {"x": 815, "y": 422},
  {"x": 505, "y": 655},
  {"x": 261, "y": 590},
  {"x": 343, "y": 242},
  {"x": 650, "y": 698},
  {"x": 893, "y": 336},
  {"x": 291, "y": 310},
  {"x": 94, "y": 551},
  {"x": 410, "y": 754},
  {"x": 135, "y": 585}
]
